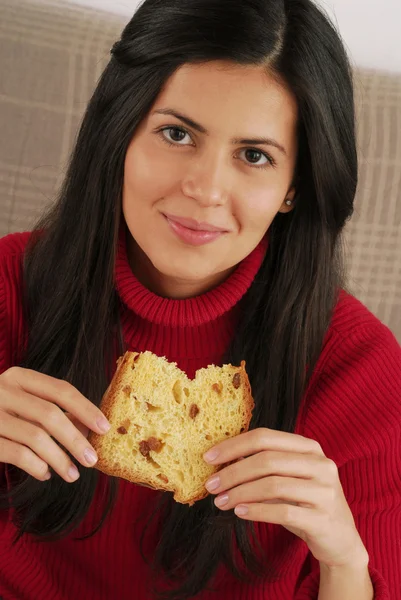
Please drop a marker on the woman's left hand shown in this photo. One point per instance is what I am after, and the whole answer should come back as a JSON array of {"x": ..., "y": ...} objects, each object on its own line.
[{"x": 286, "y": 479}]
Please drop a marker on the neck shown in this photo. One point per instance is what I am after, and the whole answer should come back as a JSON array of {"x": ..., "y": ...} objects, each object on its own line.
[{"x": 166, "y": 286}]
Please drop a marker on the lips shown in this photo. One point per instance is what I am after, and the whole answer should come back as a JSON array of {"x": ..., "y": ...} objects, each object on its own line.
[
  {"x": 184, "y": 230},
  {"x": 194, "y": 225}
]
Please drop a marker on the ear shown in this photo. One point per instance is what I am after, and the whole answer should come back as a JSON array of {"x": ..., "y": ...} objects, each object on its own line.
[{"x": 284, "y": 209}]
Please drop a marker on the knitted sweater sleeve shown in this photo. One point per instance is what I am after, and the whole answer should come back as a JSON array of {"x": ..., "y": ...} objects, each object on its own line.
[
  {"x": 355, "y": 414},
  {"x": 11, "y": 322},
  {"x": 4, "y": 328},
  {"x": 4, "y": 352}
]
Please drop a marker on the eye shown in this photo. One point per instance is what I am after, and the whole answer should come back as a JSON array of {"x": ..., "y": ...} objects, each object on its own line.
[
  {"x": 167, "y": 135},
  {"x": 255, "y": 155},
  {"x": 178, "y": 132}
]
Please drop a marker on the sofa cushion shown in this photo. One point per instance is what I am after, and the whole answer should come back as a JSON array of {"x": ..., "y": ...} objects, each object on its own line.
[
  {"x": 373, "y": 236},
  {"x": 51, "y": 57}
]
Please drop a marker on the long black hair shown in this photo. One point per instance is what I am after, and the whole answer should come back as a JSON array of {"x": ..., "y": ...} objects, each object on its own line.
[{"x": 72, "y": 308}]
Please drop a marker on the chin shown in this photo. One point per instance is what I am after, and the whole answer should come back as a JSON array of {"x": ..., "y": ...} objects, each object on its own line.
[{"x": 185, "y": 268}]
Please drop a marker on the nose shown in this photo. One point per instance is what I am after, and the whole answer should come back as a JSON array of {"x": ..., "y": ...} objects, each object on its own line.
[{"x": 207, "y": 179}]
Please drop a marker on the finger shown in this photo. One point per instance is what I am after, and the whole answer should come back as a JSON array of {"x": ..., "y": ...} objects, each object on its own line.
[
  {"x": 40, "y": 443},
  {"x": 258, "y": 440},
  {"x": 268, "y": 463},
  {"x": 81, "y": 428},
  {"x": 55, "y": 422},
  {"x": 22, "y": 457},
  {"x": 287, "y": 515},
  {"x": 298, "y": 491},
  {"x": 61, "y": 393}
]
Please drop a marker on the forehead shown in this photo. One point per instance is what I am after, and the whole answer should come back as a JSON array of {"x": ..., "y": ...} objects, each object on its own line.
[{"x": 234, "y": 95}]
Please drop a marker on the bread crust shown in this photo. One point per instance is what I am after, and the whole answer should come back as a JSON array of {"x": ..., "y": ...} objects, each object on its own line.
[{"x": 113, "y": 396}]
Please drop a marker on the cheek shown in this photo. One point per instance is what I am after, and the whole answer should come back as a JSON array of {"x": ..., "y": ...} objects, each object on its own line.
[
  {"x": 258, "y": 209},
  {"x": 147, "y": 179}
]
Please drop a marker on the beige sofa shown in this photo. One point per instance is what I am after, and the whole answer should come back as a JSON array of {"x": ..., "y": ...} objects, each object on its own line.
[{"x": 51, "y": 55}]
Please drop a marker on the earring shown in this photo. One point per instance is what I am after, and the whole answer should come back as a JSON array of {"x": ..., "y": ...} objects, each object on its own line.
[{"x": 288, "y": 202}]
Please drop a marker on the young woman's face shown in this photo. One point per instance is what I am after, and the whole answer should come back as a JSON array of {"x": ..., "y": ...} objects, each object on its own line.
[{"x": 199, "y": 192}]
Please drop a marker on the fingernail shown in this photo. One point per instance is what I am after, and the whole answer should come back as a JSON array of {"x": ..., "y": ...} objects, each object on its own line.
[
  {"x": 73, "y": 473},
  {"x": 241, "y": 510},
  {"x": 90, "y": 456},
  {"x": 47, "y": 476},
  {"x": 221, "y": 500},
  {"x": 103, "y": 424},
  {"x": 211, "y": 455},
  {"x": 213, "y": 484}
]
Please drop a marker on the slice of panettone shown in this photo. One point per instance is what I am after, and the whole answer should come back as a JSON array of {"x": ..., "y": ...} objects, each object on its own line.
[{"x": 163, "y": 422}]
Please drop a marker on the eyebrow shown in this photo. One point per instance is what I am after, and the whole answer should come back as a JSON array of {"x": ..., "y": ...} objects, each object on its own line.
[{"x": 258, "y": 141}]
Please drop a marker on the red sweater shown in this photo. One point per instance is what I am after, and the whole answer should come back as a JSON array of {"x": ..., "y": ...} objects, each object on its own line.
[{"x": 352, "y": 408}]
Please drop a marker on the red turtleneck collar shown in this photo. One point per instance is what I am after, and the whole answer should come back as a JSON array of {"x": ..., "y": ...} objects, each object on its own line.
[
  {"x": 190, "y": 312},
  {"x": 193, "y": 332}
]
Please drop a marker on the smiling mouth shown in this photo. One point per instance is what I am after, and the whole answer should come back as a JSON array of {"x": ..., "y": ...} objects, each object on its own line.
[
  {"x": 193, "y": 237},
  {"x": 195, "y": 225}
]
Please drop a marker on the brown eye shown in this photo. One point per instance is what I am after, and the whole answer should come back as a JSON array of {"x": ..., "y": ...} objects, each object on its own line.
[
  {"x": 173, "y": 135},
  {"x": 177, "y": 134},
  {"x": 253, "y": 155}
]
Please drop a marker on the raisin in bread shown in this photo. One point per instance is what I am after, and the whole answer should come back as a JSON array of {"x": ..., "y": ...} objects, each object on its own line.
[{"x": 163, "y": 422}]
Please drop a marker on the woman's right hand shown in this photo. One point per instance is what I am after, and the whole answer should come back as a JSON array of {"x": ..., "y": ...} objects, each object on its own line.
[{"x": 32, "y": 409}]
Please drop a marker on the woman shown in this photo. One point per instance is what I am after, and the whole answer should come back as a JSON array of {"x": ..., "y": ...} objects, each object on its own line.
[{"x": 201, "y": 219}]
